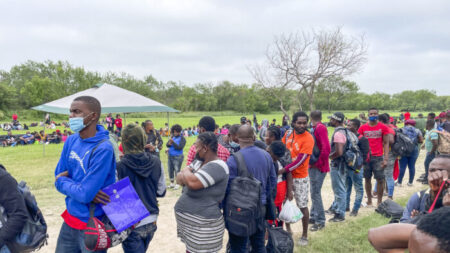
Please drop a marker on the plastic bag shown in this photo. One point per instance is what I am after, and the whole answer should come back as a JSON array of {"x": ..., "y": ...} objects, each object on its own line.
[
  {"x": 126, "y": 208},
  {"x": 290, "y": 213}
]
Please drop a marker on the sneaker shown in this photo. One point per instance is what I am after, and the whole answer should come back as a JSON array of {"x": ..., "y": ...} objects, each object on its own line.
[
  {"x": 354, "y": 213},
  {"x": 410, "y": 185},
  {"x": 398, "y": 184},
  {"x": 176, "y": 187},
  {"x": 330, "y": 212},
  {"x": 316, "y": 227},
  {"x": 171, "y": 185},
  {"x": 337, "y": 218},
  {"x": 303, "y": 241},
  {"x": 312, "y": 221}
]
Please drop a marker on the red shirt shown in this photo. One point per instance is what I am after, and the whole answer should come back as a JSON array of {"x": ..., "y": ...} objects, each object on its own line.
[
  {"x": 321, "y": 135},
  {"x": 407, "y": 116},
  {"x": 222, "y": 153},
  {"x": 375, "y": 136},
  {"x": 118, "y": 123},
  {"x": 14, "y": 116}
]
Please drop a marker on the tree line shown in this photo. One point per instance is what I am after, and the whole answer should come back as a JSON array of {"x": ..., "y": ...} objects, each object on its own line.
[{"x": 34, "y": 83}]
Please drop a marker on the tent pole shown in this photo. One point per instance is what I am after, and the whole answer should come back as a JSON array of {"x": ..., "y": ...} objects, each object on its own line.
[
  {"x": 168, "y": 125},
  {"x": 43, "y": 141},
  {"x": 125, "y": 118}
]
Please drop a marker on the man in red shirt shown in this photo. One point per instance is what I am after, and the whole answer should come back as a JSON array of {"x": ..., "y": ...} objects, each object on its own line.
[
  {"x": 318, "y": 171},
  {"x": 207, "y": 124},
  {"x": 377, "y": 134},
  {"x": 118, "y": 122},
  {"x": 407, "y": 115}
]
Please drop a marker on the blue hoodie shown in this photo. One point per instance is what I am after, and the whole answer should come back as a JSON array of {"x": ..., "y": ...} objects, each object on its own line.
[{"x": 88, "y": 172}]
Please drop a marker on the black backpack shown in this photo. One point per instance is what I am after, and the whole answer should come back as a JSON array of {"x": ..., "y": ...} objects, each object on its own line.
[
  {"x": 390, "y": 209},
  {"x": 34, "y": 234},
  {"x": 403, "y": 145},
  {"x": 316, "y": 151},
  {"x": 280, "y": 241},
  {"x": 242, "y": 209}
]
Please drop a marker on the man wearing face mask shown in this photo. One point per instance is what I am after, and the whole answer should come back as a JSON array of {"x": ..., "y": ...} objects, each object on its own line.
[
  {"x": 230, "y": 141},
  {"x": 378, "y": 135},
  {"x": 86, "y": 166}
]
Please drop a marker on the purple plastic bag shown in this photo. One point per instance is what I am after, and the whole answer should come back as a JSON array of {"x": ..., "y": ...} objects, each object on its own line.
[{"x": 125, "y": 208}]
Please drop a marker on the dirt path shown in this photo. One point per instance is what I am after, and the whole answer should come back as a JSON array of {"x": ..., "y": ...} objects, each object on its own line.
[{"x": 165, "y": 239}]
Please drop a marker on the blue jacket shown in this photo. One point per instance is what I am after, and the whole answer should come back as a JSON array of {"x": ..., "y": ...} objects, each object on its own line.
[{"x": 88, "y": 172}]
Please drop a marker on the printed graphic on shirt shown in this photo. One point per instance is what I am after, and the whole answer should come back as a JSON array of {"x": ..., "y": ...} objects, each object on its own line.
[
  {"x": 74, "y": 155},
  {"x": 373, "y": 134}
]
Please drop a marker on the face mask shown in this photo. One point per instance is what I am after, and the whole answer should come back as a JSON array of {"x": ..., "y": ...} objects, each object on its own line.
[
  {"x": 197, "y": 157},
  {"x": 234, "y": 144},
  {"x": 373, "y": 118},
  {"x": 77, "y": 124}
]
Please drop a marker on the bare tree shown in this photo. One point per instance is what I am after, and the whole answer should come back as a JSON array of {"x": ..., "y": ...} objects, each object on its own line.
[
  {"x": 275, "y": 81},
  {"x": 305, "y": 58}
]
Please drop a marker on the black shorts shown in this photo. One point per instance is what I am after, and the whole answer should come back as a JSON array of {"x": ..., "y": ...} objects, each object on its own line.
[{"x": 374, "y": 167}]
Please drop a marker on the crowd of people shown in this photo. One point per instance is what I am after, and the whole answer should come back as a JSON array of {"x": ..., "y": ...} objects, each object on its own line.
[{"x": 238, "y": 177}]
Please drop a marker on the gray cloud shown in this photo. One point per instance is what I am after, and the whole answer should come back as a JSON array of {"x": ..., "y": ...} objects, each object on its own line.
[{"x": 209, "y": 41}]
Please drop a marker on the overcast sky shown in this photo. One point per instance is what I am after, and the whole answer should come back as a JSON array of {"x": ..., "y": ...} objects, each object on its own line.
[{"x": 211, "y": 41}]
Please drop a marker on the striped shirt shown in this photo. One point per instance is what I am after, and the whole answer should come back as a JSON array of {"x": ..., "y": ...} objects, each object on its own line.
[{"x": 205, "y": 202}]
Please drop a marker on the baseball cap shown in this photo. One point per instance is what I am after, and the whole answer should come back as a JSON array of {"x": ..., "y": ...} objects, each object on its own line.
[
  {"x": 339, "y": 116},
  {"x": 243, "y": 119}
]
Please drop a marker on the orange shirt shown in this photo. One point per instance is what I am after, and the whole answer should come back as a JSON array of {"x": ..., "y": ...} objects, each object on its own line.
[{"x": 299, "y": 143}]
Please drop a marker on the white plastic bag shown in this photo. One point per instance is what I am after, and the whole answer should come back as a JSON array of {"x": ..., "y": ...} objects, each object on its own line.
[{"x": 290, "y": 213}]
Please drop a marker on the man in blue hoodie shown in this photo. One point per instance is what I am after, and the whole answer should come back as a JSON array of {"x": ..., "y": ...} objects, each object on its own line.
[{"x": 86, "y": 166}]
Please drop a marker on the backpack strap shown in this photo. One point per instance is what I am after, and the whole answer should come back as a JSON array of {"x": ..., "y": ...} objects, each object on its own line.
[
  {"x": 95, "y": 148},
  {"x": 288, "y": 134},
  {"x": 91, "y": 209},
  {"x": 241, "y": 165}
]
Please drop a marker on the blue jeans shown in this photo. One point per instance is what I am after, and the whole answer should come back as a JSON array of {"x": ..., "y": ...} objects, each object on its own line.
[
  {"x": 355, "y": 179},
  {"x": 428, "y": 159},
  {"x": 139, "y": 239},
  {"x": 409, "y": 161},
  {"x": 71, "y": 240},
  {"x": 316, "y": 181},
  {"x": 174, "y": 165},
  {"x": 338, "y": 178}
]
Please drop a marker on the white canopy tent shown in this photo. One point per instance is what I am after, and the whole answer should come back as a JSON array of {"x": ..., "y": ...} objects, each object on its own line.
[{"x": 113, "y": 100}]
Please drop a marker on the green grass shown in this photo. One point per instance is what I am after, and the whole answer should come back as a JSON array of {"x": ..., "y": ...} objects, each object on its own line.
[
  {"x": 348, "y": 236},
  {"x": 190, "y": 119}
]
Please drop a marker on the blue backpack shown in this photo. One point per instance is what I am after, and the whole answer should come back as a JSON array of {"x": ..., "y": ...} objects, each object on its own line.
[{"x": 411, "y": 133}]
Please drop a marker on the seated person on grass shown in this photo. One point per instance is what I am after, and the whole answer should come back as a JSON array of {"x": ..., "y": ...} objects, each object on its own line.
[
  {"x": 27, "y": 138},
  {"x": 10, "y": 140},
  {"x": 420, "y": 202},
  {"x": 431, "y": 234}
]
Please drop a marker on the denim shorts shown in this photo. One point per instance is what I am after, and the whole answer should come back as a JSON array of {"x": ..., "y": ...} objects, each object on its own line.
[{"x": 373, "y": 167}]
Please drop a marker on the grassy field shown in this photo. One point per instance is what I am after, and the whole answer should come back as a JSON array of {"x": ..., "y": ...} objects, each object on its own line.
[
  {"x": 28, "y": 163},
  {"x": 190, "y": 119}
]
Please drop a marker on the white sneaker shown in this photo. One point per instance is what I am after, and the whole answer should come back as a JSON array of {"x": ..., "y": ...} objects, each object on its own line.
[
  {"x": 171, "y": 186},
  {"x": 176, "y": 187}
]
